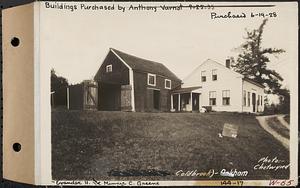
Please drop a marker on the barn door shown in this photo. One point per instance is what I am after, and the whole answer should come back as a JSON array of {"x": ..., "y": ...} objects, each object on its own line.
[
  {"x": 90, "y": 96},
  {"x": 156, "y": 99},
  {"x": 126, "y": 98}
]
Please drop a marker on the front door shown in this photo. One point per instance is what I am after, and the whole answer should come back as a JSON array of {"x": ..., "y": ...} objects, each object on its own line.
[
  {"x": 195, "y": 102},
  {"x": 156, "y": 99},
  {"x": 254, "y": 102}
]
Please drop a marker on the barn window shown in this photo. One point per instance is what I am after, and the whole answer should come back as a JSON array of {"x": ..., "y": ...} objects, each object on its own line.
[
  {"x": 167, "y": 84},
  {"x": 212, "y": 98},
  {"x": 258, "y": 100},
  {"x": 248, "y": 98},
  {"x": 108, "y": 68},
  {"x": 214, "y": 75},
  {"x": 203, "y": 76},
  {"x": 226, "y": 97},
  {"x": 244, "y": 98},
  {"x": 151, "y": 79},
  {"x": 261, "y": 100}
]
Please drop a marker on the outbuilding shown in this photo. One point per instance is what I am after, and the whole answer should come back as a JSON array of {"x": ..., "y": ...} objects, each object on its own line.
[{"x": 129, "y": 83}]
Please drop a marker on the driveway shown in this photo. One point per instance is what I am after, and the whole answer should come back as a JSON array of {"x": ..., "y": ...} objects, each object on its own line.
[{"x": 263, "y": 122}]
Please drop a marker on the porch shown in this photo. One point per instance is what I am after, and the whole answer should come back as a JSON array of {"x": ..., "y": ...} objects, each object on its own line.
[{"x": 186, "y": 99}]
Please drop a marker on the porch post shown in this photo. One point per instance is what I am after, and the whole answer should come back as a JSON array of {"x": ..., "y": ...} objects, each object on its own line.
[
  {"x": 179, "y": 103},
  {"x": 199, "y": 101},
  {"x": 191, "y": 103},
  {"x": 171, "y": 101}
]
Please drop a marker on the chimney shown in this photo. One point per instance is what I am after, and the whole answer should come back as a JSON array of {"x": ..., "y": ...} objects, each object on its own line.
[{"x": 228, "y": 63}]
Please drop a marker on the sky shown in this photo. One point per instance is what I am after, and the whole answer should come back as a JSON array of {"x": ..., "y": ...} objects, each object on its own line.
[{"x": 75, "y": 43}]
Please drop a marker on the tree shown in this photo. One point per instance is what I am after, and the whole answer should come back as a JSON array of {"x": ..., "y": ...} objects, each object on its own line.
[
  {"x": 59, "y": 86},
  {"x": 253, "y": 59},
  {"x": 57, "y": 82},
  {"x": 284, "y": 101}
]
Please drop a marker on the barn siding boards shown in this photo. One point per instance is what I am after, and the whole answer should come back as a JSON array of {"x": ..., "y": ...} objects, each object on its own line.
[
  {"x": 140, "y": 91},
  {"x": 144, "y": 98},
  {"x": 126, "y": 98},
  {"x": 81, "y": 99},
  {"x": 76, "y": 97},
  {"x": 109, "y": 97},
  {"x": 119, "y": 74}
]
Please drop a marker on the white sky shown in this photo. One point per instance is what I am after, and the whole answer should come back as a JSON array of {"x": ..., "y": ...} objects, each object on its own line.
[{"x": 75, "y": 43}]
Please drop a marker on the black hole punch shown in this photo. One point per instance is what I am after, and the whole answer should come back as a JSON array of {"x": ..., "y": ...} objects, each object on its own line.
[
  {"x": 17, "y": 147},
  {"x": 15, "y": 42}
]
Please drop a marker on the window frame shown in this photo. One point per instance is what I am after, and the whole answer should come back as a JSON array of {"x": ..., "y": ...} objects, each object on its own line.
[
  {"x": 248, "y": 98},
  {"x": 244, "y": 97},
  {"x": 148, "y": 79},
  {"x": 203, "y": 76},
  {"x": 108, "y": 68},
  {"x": 212, "y": 98},
  {"x": 168, "y": 80},
  {"x": 214, "y": 74},
  {"x": 227, "y": 97}
]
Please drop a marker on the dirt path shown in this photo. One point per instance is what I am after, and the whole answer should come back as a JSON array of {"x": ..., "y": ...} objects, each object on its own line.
[
  {"x": 283, "y": 122},
  {"x": 263, "y": 122}
]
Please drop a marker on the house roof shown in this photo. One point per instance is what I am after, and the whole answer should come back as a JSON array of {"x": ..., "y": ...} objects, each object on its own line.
[
  {"x": 253, "y": 82},
  {"x": 231, "y": 70},
  {"x": 143, "y": 65},
  {"x": 186, "y": 89}
]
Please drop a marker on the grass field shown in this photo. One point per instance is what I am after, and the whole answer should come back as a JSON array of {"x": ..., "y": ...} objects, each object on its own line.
[{"x": 94, "y": 144}]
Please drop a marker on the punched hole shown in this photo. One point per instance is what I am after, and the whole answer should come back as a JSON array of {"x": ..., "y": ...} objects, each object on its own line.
[
  {"x": 15, "y": 42},
  {"x": 17, "y": 147}
]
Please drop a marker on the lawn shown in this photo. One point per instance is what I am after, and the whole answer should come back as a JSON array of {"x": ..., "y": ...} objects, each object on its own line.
[{"x": 107, "y": 145}]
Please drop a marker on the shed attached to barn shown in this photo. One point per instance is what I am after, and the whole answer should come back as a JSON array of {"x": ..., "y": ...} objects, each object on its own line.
[{"x": 83, "y": 96}]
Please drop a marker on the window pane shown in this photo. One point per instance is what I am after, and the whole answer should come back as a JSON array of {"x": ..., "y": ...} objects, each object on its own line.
[
  {"x": 109, "y": 68},
  {"x": 168, "y": 84},
  {"x": 248, "y": 98},
  {"x": 214, "y": 77},
  {"x": 214, "y": 72},
  {"x": 225, "y": 93},
  {"x": 151, "y": 79}
]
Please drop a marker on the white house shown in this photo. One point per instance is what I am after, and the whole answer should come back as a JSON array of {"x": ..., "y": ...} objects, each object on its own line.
[{"x": 213, "y": 84}]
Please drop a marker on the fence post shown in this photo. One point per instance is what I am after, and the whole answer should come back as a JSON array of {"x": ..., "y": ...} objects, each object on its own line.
[{"x": 68, "y": 98}]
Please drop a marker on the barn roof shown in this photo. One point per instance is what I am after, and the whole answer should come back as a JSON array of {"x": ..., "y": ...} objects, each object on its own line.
[{"x": 143, "y": 65}]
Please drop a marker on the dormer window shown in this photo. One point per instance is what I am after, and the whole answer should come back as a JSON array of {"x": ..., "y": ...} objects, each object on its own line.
[
  {"x": 167, "y": 84},
  {"x": 214, "y": 75},
  {"x": 203, "y": 76},
  {"x": 151, "y": 79},
  {"x": 108, "y": 68}
]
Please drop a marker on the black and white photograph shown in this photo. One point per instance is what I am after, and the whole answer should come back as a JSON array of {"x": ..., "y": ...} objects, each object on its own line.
[{"x": 154, "y": 92}]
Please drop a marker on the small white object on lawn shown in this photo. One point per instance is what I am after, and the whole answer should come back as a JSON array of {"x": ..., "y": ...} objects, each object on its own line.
[
  {"x": 230, "y": 130},
  {"x": 202, "y": 110}
]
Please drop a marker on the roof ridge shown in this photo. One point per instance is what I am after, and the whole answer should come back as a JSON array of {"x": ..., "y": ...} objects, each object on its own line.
[
  {"x": 135, "y": 56},
  {"x": 138, "y": 63}
]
